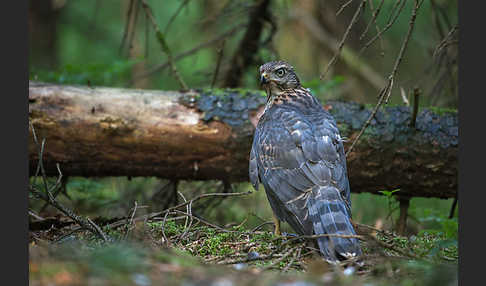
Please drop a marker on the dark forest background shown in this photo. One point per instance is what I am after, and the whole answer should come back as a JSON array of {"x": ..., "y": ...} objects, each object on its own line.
[{"x": 113, "y": 43}]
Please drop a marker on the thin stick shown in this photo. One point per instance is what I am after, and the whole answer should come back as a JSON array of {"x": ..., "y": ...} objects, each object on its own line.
[
  {"x": 130, "y": 222},
  {"x": 218, "y": 63},
  {"x": 341, "y": 44},
  {"x": 418, "y": 3},
  {"x": 416, "y": 94},
  {"x": 167, "y": 241},
  {"x": 127, "y": 24},
  {"x": 445, "y": 42},
  {"x": 173, "y": 209},
  {"x": 280, "y": 259},
  {"x": 164, "y": 46},
  {"x": 134, "y": 24},
  {"x": 259, "y": 226},
  {"x": 172, "y": 18},
  {"x": 189, "y": 52},
  {"x": 453, "y": 207},
  {"x": 51, "y": 200},
  {"x": 385, "y": 93},
  {"x": 98, "y": 229},
  {"x": 373, "y": 18},
  {"x": 343, "y": 7},
  {"x": 31, "y": 213},
  {"x": 147, "y": 27},
  {"x": 187, "y": 208},
  {"x": 394, "y": 248},
  {"x": 388, "y": 26},
  {"x": 296, "y": 256},
  {"x": 205, "y": 222}
]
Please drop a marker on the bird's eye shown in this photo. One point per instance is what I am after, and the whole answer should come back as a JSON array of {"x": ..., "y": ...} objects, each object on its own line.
[{"x": 280, "y": 72}]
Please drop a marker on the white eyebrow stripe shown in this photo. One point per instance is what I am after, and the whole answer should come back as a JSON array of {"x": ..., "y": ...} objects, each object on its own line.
[{"x": 279, "y": 67}]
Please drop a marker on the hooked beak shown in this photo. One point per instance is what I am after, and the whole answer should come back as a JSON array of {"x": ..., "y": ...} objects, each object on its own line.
[{"x": 263, "y": 79}]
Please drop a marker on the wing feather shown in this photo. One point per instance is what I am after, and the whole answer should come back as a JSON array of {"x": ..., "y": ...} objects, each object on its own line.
[{"x": 298, "y": 156}]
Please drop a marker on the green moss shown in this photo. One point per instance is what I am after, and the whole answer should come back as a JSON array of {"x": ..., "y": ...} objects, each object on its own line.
[
  {"x": 216, "y": 244},
  {"x": 170, "y": 227},
  {"x": 441, "y": 110},
  {"x": 241, "y": 91}
]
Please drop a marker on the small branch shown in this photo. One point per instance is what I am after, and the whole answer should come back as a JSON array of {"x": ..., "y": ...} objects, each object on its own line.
[
  {"x": 277, "y": 261},
  {"x": 373, "y": 19},
  {"x": 218, "y": 63},
  {"x": 189, "y": 52},
  {"x": 133, "y": 26},
  {"x": 147, "y": 28},
  {"x": 130, "y": 222},
  {"x": 402, "y": 220},
  {"x": 445, "y": 42},
  {"x": 341, "y": 44},
  {"x": 453, "y": 207},
  {"x": 98, "y": 229},
  {"x": 172, "y": 18},
  {"x": 416, "y": 94},
  {"x": 385, "y": 93},
  {"x": 388, "y": 26},
  {"x": 127, "y": 25},
  {"x": 261, "y": 225},
  {"x": 394, "y": 248},
  {"x": 164, "y": 46},
  {"x": 34, "y": 215},
  {"x": 48, "y": 197},
  {"x": 167, "y": 241},
  {"x": 347, "y": 55},
  {"x": 295, "y": 257},
  {"x": 343, "y": 7}
]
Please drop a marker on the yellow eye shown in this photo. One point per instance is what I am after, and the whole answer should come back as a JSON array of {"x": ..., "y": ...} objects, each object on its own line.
[{"x": 280, "y": 72}]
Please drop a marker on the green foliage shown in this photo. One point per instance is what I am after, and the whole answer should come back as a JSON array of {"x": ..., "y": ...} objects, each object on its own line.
[
  {"x": 323, "y": 89},
  {"x": 214, "y": 244},
  {"x": 170, "y": 227},
  {"x": 116, "y": 73},
  {"x": 319, "y": 86},
  {"x": 116, "y": 258},
  {"x": 392, "y": 202},
  {"x": 389, "y": 194}
]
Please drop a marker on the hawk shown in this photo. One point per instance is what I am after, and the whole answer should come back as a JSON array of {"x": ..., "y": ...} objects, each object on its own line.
[{"x": 298, "y": 156}]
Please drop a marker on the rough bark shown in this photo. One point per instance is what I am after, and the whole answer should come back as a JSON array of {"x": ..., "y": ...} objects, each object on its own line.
[{"x": 207, "y": 134}]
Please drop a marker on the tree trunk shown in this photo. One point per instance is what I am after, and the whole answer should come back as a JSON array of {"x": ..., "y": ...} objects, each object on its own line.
[{"x": 207, "y": 134}]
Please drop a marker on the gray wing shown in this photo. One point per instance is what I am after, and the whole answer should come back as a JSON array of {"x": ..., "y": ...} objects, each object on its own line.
[{"x": 301, "y": 163}]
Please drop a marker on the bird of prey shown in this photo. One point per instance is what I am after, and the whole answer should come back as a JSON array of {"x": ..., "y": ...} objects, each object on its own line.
[{"x": 298, "y": 156}]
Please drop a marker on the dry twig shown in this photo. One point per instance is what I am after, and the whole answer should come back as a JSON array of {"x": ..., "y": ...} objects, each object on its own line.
[
  {"x": 343, "y": 7},
  {"x": 373, "y": 18},
  {"x": 341, "y": 44},
  {"x": 49, "y": 198},
  {"x": 390, "y": 23},
  {"x": 218, "y": 63},
  {"x": 163, "y": 44},
  {"x": 172, "y": 18},
  {"x": 385, "y": 93},
  {"x": 191, "y": 51}
]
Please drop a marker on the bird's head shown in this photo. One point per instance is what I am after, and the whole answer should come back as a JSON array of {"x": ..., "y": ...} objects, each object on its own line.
[{"x": 277, "y": 76}]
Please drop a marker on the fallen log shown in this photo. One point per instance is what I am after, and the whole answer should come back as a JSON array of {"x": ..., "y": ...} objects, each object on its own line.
[{"x": 207, "y": 134}]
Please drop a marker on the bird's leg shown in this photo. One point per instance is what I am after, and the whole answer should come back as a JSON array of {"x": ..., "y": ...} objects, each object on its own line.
[{"x": 276, "y": 221}]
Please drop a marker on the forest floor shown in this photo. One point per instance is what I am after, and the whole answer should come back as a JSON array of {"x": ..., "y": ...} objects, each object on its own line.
[{"x": 181, "y": 249}]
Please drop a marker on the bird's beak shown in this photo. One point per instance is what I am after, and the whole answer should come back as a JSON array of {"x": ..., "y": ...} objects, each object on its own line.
[{"x": 263, "y": 78}]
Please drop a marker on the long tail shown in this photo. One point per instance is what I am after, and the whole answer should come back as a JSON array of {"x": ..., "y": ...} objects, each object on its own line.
[{"x": 329, "y": 215}]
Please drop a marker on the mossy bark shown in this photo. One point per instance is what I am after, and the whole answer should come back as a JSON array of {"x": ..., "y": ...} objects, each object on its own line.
[{"x": 207, "y": 134}]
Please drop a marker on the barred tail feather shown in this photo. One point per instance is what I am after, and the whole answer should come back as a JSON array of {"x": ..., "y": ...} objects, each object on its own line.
[{"x": 329, "y": 216}]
